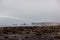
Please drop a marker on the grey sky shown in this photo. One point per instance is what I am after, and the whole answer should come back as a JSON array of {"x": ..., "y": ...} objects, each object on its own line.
[{"x": 30, "y": 10}]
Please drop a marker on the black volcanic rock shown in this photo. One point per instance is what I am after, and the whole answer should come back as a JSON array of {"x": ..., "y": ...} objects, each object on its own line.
[{"x": 30, "y": 33}]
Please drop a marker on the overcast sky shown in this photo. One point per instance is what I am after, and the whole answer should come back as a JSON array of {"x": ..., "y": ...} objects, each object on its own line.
[{"x": 29, "y": 10}]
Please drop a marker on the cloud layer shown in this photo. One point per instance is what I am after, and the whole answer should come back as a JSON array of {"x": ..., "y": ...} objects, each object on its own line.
[{"x": 31, "y": 10}]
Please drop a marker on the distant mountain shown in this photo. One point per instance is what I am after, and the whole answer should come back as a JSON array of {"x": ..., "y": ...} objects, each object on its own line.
[
  {"x": 46, "y": 23},
  {"x": 8, "y": 21}
]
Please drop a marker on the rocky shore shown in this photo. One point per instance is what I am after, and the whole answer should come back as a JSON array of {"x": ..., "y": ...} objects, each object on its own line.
[{"x": 30, "y": 33}]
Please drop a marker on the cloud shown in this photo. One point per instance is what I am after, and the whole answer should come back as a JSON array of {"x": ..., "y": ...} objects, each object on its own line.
[
  {"x": 12, "y": 17},
  {"x": 31, "y": 10}
]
